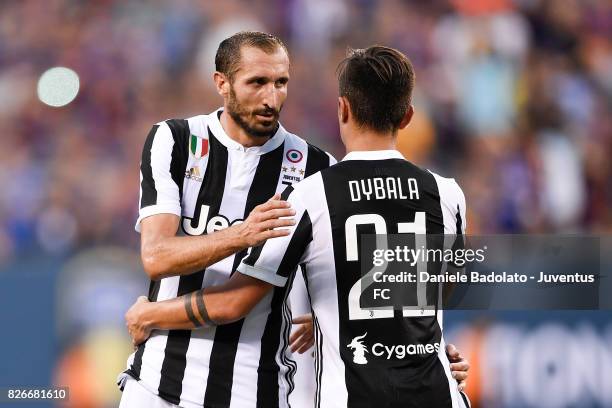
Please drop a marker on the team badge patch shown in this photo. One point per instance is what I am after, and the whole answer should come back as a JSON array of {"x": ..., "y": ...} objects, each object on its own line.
[
  {"x": 294, "y": 156},
  {"x": 198, "y": 146}
]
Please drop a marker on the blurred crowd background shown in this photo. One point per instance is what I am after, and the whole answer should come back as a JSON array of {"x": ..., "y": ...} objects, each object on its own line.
[{"x": 513, "y": 99}]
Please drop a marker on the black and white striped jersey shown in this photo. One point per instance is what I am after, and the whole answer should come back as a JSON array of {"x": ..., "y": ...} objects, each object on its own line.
[
  {"x": 193, "y": 169},
  {"x": 387, "y": 356}
]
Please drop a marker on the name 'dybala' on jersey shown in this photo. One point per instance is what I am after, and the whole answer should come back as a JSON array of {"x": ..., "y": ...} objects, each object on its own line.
[{"x": 383, "y": 188}]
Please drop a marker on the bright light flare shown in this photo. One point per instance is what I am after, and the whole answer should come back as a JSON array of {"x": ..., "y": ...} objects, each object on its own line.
[{"x": 58, "y": 86}]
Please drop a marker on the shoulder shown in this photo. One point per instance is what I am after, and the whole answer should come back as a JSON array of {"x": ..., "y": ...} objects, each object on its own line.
[
  {"x": 177, "y": 136},
  {"x": 198, "y": 125},
  {"x": 450, "y": 192},
  {"x": 180, "y": 132},
  {"x": 171, "y": 129},
  {"x": 322, "y": 154},
  {"x": 307, "y": 190},
  {"x": 318, "y": 158},
  {"x": 184, "y": 128}
]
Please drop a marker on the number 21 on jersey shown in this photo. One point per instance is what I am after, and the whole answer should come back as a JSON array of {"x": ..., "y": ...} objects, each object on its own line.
[{"x": 418, "y": 227}]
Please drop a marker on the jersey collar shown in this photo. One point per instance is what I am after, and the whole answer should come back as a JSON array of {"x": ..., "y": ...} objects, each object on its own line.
[
  {"x": 373, "y": 155},
  {"x": 217, "y": 130}
]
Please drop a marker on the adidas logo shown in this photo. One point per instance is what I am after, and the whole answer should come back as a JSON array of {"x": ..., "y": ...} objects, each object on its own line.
[{"x": 193, "y": 174}]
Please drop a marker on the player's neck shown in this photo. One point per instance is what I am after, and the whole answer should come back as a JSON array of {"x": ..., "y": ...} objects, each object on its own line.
[
  {"x": 238, "y": 134},
  {"x": 364, "y": 140}
]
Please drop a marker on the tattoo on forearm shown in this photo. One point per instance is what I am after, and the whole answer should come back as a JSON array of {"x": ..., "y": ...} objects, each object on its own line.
[
  {"x": 189, "y": 310},
  {"x": 202, "y": 309}
]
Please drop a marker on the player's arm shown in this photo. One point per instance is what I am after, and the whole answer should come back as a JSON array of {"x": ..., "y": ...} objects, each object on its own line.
[
  {"x": 210, "y": 307},
  {"x": 207, "y": 307},
  {"x": 164, "y": 158},
  {"x": 268, "y": 265},
  {"x": 165, "y": 254}
]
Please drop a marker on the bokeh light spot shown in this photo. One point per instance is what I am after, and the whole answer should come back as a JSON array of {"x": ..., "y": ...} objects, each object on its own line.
[{"x": 58, "y": 86}]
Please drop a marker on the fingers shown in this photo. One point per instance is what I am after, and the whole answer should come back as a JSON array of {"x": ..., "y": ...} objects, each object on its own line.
[
  {"x": 272, "y": 205},
  {"x": 303, "y": 342},
  {"x": 268, "y": 220},
  {"x": 135, "y": 343},
  {"x": 308, "y": 346},
  {"x": 460, "y": 375},
  {"x": 271, "y": 224},
  {"x": 276, "y": 213},
  {"x": 307, "y": 318},
  {"x": 296, "y": 335},
  {"x": 138, "y": 337},
  {"x": 134, "y": 340},
  {"x": 460, "y": 372},
  {"x": 284, "y": 216},
  {"x": 302, "y": 338},
  {"x": 461, "y": 382},
  {"x": 263, "y": 219},
  {"x": 453, "y": 353},
  {"x": 460, "y": 366},
  {"x": 274, "y": 234}
]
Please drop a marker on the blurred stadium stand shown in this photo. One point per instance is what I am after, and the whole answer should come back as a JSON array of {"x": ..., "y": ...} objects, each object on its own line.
[{"x": 512, "y": 99}]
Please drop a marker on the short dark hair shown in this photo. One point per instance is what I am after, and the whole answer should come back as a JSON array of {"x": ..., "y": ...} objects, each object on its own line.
[
  {"x": 228, "y": 53},
  {"x": 378, "y": 83}
]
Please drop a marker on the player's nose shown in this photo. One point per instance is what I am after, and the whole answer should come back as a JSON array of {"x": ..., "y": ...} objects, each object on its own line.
[{"x": 272, "y": 97}]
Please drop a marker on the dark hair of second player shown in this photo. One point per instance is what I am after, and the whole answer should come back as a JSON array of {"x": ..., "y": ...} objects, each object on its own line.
[{"x": 378, "y": 83}]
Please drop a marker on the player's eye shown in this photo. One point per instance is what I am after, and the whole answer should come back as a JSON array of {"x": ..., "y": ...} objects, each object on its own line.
[
  {"x": 281, "y": 82},
  {"x": 261, "y": 81}
]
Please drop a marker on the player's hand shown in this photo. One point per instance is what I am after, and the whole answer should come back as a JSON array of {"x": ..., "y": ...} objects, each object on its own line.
[
  {"x": 302, "y": 339},
  {"x": 261, "y": 223},
  {"x": 134, "y": 321},
  {"x": 459, "y": 365}
]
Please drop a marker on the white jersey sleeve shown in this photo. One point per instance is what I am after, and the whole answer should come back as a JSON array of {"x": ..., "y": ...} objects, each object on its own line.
[
  {"x": 452, "y": 203},
  {"x": 276, "y": 259},
  {"x": 159, "y": 178}
]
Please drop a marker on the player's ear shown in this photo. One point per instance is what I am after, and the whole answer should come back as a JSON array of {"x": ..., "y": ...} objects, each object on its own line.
[
  {"x": 407, "y": 117},
  {"x": 343, "y": 109},
  {"x": 222, "y": 83}
]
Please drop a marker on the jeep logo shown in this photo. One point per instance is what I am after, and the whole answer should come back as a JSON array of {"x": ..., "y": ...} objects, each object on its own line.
[{"x": 216, "y": 223}]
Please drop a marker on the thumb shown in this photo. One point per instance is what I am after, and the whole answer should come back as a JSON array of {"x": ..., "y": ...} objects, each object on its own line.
[
  {"x": 275, "y": 197},
  {"x": 451, "y": 350},
  {"x": 142, "y": 299}
]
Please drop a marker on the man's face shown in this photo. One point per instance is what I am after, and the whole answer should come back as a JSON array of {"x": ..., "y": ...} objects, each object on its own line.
[{"x": 258, "y": 90}]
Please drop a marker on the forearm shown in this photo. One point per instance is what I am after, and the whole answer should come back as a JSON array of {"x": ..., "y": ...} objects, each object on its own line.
[
  {"x": 189, "y": 311},
  {"x": 184, "y": 255},
  {"x": 214, "y": 305},
  {"x": 171, "y": 314},
  {"x": 164, "y": 254}
]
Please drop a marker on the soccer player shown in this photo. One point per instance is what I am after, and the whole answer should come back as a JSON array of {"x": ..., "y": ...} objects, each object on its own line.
[
  {"x": 200, "y": 178},
  {"x": 364, "y": 357}
]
